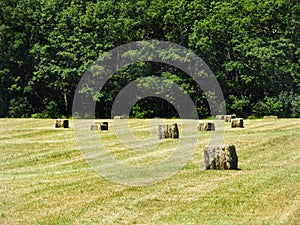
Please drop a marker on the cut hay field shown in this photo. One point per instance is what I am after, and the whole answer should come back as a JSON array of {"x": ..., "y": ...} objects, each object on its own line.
[{"x": 45, "y": 180}]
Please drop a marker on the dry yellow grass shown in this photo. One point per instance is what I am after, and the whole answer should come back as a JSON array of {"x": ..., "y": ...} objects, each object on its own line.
[{"x": 45, "y": 180}]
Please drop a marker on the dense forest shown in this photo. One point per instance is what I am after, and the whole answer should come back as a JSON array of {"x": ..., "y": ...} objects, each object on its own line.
[{"x": 252, "y": 46}]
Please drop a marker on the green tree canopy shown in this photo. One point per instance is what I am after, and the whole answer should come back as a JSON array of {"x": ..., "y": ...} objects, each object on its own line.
[{"x": 251, "y": 46}]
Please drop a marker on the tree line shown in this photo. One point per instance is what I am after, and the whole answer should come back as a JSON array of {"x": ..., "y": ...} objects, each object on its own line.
[{"x": 252, "y": 46}]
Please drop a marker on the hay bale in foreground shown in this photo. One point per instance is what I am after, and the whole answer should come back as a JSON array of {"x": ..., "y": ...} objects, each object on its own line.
[
  {"x": 220, "y": 157},
  {"x": 61, "y": 123},
  {"x": 168, "y": 131},
  {"x": 238, "y": 122},
  {"x": 206, "y": 126},
  {"x": 174, "y": 131}
]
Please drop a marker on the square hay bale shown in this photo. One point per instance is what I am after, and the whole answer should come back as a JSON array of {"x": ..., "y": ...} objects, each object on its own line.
[
  {"x": 228, "y": 118},
  {"x": 174, "y": 131},
  {"x": 162, "y": 131},
  {"x": 104, "y": 126},
  {"x": 61, "y": 123},
  {"x": 220, "y": 157},
  {"x": 168, "y": 131},
  {"x": 101, "y": 125},
  {"x": 238, "y": 122},
  {"x": 206, "y": 126}
]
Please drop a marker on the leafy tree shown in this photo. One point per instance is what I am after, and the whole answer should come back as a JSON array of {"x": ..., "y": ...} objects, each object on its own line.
[
  {"x": 251, "y": 46},
  {"x": 268, "y": 106},
  {"x": 17, "y": 35}
]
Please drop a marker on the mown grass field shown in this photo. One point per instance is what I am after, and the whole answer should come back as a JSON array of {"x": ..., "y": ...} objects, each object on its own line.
[{"x": 45, "y": 180}]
